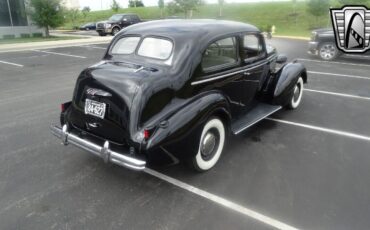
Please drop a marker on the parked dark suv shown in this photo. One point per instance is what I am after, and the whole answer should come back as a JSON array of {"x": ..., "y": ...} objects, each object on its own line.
[
  {"x": 323, "y": 44},
  {"x": 115, "y": 23}
]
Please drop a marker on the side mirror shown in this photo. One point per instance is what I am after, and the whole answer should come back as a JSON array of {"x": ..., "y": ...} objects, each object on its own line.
[
  {"x": 125, "y": 19},
  {"x": 281, "y": 59}
]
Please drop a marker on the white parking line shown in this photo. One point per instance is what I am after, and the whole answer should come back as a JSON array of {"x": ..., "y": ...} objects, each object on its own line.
[
  {"x": 326, "y": 130},
  {"x": 221, "y": 201},
  {"x": 96, "y": 47},
  {"x": 339, "y": 75},
  {"x": 61, "y": 54},
  {"x": 337, "y": 94},
  {"x": 333, "y": 62},
  {"x": 10, "y": 63}
]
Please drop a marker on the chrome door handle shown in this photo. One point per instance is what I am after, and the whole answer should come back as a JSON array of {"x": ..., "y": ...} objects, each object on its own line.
[{"x": 247, "y": 73}]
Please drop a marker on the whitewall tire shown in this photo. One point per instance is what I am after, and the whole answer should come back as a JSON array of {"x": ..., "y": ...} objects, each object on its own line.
[
  {"x": 296, "y": 99},
  {"x": 211, "y": 145}
]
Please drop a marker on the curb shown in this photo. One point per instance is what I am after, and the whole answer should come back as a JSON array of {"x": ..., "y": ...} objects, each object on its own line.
[
  {"x": 17, "y": 47},
  {"x": 292, "y": 37}
]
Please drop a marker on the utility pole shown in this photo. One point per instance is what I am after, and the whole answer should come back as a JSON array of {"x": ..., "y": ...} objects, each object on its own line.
[{"x": 10, "y": 13}]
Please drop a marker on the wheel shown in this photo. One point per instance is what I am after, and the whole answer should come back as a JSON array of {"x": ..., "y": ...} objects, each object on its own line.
[
  {"x": 87, "y": 29},
  {"x": 296, "y": 99},
  {"x": 115, "y": 30},
  {"x": 328, "y": 51},
  {"x": 102, "y": 34},
  {"x": 212, "y": 141}
]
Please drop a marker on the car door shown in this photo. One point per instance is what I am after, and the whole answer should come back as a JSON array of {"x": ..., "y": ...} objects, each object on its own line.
[
  {"x": 221, "y": 70},
  {"x": 126, "y": 21},
  {"x": 253, "y": 53}
]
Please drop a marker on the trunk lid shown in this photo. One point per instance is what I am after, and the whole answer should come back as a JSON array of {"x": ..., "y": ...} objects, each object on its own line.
[{"x": 114, "y": 84}]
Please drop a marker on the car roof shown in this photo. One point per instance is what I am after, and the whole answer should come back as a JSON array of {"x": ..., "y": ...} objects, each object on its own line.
[{"x": 201, "y": 28}]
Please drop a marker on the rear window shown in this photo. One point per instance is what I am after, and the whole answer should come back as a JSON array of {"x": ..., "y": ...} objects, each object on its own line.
[
  {"x": 155, "y": 48},
  {"x": 126, "y": 45}
]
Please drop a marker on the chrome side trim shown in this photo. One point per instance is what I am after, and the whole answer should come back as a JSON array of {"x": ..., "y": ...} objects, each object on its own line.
[{"x": 104, "y": 152}]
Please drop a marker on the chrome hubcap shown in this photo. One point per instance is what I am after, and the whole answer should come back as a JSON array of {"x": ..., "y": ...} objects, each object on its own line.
[
  {"x": 209, "y": 145},
  {"x": 327, "y": 51},
  {"x": 296, "y": 93}
]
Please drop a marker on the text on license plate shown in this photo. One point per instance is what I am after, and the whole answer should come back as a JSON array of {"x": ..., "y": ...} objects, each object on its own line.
[{"x": 95, "y": 108}]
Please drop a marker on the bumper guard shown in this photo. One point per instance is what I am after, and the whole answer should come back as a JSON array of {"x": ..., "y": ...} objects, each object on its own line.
[{"x": 104, "y": 152}]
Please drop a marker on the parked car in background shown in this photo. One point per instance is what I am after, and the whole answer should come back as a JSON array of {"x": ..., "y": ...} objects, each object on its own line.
[
  {"x": 181, "y": 86},
  {"x": 323, "y": 45},
  {"x": 115, "y": 23},
  {"x": 88, "y": 26}
]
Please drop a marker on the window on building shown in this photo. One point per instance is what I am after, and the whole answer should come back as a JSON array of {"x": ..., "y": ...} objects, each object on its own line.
[{"x": 17, "y": 14}]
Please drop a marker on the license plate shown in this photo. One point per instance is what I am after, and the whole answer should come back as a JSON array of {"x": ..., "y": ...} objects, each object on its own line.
[{"x": 95, "y": 108}]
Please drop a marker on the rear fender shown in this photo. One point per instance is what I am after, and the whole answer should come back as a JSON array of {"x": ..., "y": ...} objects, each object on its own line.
[
  {"x": 183, "y": 127},
  {"x": 285, "y": 81}
]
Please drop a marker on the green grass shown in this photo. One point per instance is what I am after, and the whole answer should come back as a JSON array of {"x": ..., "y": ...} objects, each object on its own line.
[
  {"x": 259, "y": 14},
  {"x": 37, "y": 39}
]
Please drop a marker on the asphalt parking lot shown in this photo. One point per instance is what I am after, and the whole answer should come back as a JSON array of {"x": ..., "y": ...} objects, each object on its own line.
[{"x": 304, "y": 169}]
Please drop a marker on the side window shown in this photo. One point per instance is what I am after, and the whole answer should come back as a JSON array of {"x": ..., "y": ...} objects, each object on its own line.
[
  {"x": 220, "y": 53},
  {"x": 252, "y": 46}
]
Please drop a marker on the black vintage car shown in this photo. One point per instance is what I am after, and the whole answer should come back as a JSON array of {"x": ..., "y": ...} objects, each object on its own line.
[
  {"x": 322, "y": 44},
  {"x": 181, "y": 86},
  {"x": 115, "y": 23}
]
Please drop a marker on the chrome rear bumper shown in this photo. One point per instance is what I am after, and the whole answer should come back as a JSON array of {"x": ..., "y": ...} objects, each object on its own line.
[{"x": 121, "y": 159}]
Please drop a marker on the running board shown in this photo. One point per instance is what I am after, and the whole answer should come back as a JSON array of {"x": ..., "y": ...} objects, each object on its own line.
[{"x": 255, "y": 115}]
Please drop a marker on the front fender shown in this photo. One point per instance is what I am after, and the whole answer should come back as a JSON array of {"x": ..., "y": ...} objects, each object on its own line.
[
  {"x": 184, "y": 122},
  {"x": 285, "y": 80}
]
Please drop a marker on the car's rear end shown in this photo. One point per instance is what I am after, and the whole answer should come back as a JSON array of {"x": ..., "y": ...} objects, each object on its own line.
[{"x": 100, "y": 118}]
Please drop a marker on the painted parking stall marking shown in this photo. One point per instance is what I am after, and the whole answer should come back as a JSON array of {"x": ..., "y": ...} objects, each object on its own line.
[
  {"x": 333, "y": 62},
  {"x": 338, "y": 75},
  {"x": 61, "y": 54},
  {"x": 326, "y": 130},
  {"x": 11, "y": 63},
  {"x": 337, "y": 94},
  {"x": 222, "y": 201}
]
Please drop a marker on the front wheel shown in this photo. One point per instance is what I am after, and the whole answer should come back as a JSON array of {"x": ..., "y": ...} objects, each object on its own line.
[
  {"x": 328, "y": 51},
  {"x": 115, "y": 30},
  {"x": 296, "y": 99},
  {"x": 211, "y": 145}
]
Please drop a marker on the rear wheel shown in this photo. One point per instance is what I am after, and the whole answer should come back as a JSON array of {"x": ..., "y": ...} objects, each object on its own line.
[
  {"x": 328, "y": 51},
  {"x": 296, "y": 99},
  {"x": 212, "y": 141}
]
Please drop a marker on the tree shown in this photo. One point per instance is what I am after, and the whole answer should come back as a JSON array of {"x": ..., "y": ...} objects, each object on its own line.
[
  {"x": 161, "y": 6},
  {"x": 318, "y": 8},
  {"x": 135, "y": 3},
  {"x": 73, "y": 15},
  {"x": 47, "y": 14},
  {"x": 115, "y": 6},
  {"x": 220, "y": 4},
  {"x": 85, "y": 11},
  {"x": 185, "y": 6}
]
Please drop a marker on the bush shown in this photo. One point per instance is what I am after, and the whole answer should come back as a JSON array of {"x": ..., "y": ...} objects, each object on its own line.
[
  {"x": 9, "y": 36},
  {"x": 25, "y": 35},
  {"x": 37, "y": 35}
]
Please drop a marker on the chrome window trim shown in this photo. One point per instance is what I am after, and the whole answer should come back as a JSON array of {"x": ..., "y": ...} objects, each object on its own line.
[{"x": 232, "y": 73}]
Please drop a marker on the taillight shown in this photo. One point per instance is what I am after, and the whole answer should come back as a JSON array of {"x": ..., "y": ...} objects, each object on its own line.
[
  {"x": 64, "y": 106},
  {"x": 146, "y": 134}
]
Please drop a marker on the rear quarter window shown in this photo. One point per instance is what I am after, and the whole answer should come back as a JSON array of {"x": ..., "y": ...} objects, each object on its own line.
[{"x": 158, "y": 48}]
